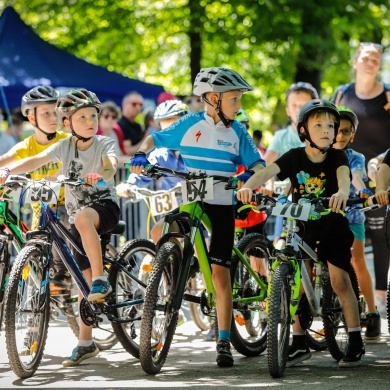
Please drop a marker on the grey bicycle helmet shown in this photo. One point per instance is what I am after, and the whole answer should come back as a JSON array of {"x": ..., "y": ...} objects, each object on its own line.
[
  {"x": 347, "y": 113},
  {"x": 42, "y": 94},
  {"x": 169, "y": 109},
  {"x": 302, "y": 86},
  {"x": 219, "y": 80},
  {"x": 316, "y": 105},
  {"x": 75, "y": 99}
]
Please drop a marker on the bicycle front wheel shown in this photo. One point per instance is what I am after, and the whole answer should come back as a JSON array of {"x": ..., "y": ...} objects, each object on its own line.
[
  {"x": 159, "y": 317},
  {"x": 133, "y": 256},
  {"x": 279, "y": 321},
  {"x": 249, "y": 324},
  {"x": 27, "y": 311}
]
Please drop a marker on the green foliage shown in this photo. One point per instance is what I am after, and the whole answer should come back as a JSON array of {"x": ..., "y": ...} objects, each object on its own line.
[{"x": 270, "y": 42}]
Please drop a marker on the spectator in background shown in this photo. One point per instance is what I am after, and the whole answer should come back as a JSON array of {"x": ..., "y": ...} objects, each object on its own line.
[
  {"x": 108, "y": 118},
  {"x": 370, "y": 100},
  {"x": 133, "y": 132},
  {"x": 194, "y": 103},
  {"x": 257, "y": 137},
  {"x": 164, "y": 96},
  {"x": 150, "y": 124},
  {"x": 15, "y": 126}
]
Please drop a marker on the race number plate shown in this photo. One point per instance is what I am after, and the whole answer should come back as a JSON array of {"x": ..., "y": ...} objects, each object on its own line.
[
  {"x": 162, "y": 203},
  {"x": 292, "y": 210},
  {"x": 195, "y": 190},
  {"x": 47, "y": 192}
]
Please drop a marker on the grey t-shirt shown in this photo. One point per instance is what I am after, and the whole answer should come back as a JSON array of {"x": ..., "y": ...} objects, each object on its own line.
[{"x": 88, "y": 161}]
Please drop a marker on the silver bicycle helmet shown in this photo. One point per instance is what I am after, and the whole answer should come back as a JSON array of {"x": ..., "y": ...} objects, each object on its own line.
[
  {"x": 36, "y": 96},
  {"x": 169, "y": 109},
  {"x": 75, "y": 99},
  {"x": 219, "y": 80}
]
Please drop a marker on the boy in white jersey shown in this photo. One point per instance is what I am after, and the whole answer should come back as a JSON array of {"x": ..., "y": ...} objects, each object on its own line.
[{"x": 214, "y": 143}]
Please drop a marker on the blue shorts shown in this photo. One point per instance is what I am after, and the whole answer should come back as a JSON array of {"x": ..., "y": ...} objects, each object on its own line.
[{"x": 358, "y": 231}]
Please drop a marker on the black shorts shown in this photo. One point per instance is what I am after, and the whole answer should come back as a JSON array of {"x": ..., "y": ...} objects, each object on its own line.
[
  {"x": 222, "y": 236},
  {"x": 109, "y": 213},
  {"x": 332, "y": 238}
]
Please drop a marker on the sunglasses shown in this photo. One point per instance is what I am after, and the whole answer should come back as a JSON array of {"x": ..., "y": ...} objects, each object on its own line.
[
  {"x": 113, "y": 117},
  {"x": 368, "y": 44},
  {"x": 135, "y": 104}
]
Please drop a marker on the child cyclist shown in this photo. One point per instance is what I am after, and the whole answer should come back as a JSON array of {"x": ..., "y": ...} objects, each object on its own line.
[
  {"x": 345, "y": 136},
  {"x": 92, "y": 210},
  {"x": 328, "y": 169},
  {"x": 38, "y": 105},
  {"x": 214, "y": 143}
]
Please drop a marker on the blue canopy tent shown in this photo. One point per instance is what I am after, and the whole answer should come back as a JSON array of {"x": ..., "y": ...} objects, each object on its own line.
[{"x": 26, "y": 60}]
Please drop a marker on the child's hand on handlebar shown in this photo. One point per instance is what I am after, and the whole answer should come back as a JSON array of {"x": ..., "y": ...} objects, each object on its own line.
[
  {"x": 138, "y": 162},
  {"x": 338, "y": 201},
  {"x": 381, "y": 197},
  {"x": 4, "y": 173},
  {"x": 244, "y": 195},
  {"x": 92, "y": 178}
]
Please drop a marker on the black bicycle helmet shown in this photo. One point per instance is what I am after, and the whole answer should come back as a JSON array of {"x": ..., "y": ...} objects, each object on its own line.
[
  {"x": 347, "y": 113},
  {"x": 302, "y": 86},
  {"x": 38, "y": 95},
  {"x": 316, "y": 105},
  {"x": 169, "y": 109}
]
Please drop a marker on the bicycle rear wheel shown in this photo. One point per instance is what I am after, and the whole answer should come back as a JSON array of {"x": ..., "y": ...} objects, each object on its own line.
[
  {"x": 159, "y": 317},
  {"x": 279, "y": 321},
  {"x": 132, "y": 256},
  {"x": 249, "y": 324},
  {"x": 27, "y": 311},
  {"x": 336, "y": 330}
]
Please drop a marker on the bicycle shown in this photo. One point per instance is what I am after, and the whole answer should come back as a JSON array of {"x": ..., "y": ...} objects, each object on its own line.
[
  {"x": 159, "y": 203},
  {"x": 288, "y": 272},
  {"x": 27, "y": 307},
  {"x": 167, "y": 283},
  {"x": 12, "y": 232}
]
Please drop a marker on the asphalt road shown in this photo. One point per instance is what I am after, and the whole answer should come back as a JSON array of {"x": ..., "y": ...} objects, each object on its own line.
[{"x": 191, "y": 364}]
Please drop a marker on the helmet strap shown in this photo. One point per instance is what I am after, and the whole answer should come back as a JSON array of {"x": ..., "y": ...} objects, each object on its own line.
[
  {"x": 225, "y": 121},
  {"x": 79, "y": 138},
  {"x": 49, "y": 136}
]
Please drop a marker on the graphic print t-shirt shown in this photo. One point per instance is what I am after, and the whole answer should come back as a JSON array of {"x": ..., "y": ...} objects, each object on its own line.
[
  {"x": 88, "y": 161},
  {"x": 309, "y": 178}
]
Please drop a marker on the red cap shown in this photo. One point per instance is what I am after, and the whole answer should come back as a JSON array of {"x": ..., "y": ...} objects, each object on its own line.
[{"x": 164, "y": 96}]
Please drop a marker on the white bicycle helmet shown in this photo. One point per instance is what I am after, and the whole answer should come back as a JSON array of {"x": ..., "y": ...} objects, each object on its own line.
[
  {"x": 219, "y": 80},
  {"x": 169, "y": 109}
]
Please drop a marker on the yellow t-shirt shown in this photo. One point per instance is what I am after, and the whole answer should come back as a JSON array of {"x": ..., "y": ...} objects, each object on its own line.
[{"x": 30, "y": 147}]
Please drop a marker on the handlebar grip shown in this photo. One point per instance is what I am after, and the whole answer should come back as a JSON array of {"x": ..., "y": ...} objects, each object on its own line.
[{"x": 99, "y": 183}]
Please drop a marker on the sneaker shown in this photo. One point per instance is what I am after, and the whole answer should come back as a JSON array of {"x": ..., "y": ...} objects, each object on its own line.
[
  {"x": 373, "y": 323},
  {"x": 79, "y": 354},
  {"x": 210, "y": 336},
  {"x": 353, "y": 356},
  {"x": 100, "y": 289},
  {"x": 224, "y": 355},
  {"x": 60, "y": 281},
  {"x": 297, "y": 354}
]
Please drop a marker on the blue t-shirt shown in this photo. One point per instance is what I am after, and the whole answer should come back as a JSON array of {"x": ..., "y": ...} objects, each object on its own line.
[
  {"x": 210, "y": 148},
  {"x": 356, "y": 162}
]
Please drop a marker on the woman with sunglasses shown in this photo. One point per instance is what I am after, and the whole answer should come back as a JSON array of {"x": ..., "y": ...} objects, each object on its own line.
[
  {"x": 369, "y": 98},
  {"x": 107, "y": 121}
]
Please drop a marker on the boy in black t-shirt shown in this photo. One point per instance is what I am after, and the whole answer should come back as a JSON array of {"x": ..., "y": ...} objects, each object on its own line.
[{"x": 319, "y": 170}]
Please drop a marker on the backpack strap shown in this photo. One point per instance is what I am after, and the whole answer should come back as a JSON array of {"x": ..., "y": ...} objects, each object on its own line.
[
  {"x": 339, "y": 93},
  {"x": 387, "y": 105}
]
